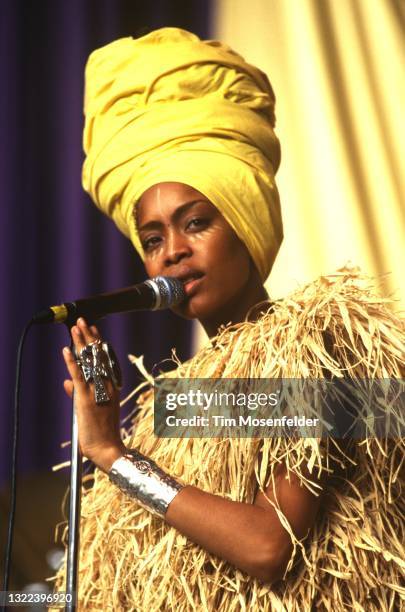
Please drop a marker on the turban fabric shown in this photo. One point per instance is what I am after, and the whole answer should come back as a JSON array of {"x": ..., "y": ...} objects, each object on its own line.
[{"x": 169, "y": 107}]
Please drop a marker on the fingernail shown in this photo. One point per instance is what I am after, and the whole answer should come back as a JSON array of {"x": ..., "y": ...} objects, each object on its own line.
[
  {"x": 81, "y": 321},
  {"x": 66, "y": 350}
]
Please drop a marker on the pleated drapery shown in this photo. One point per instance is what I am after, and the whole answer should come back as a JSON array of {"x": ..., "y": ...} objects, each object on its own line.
[{"x": 337, "y": 69}]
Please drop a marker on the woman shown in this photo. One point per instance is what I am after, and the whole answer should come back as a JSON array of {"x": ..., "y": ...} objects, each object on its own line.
[{"x": 181, "y": 153}]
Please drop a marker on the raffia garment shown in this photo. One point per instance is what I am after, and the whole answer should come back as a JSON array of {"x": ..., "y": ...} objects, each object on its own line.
[{"x": 352, "y": 559}]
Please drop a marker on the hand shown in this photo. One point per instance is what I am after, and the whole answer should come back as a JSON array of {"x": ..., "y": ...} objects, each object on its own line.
[{"x": 99, "y": 430}]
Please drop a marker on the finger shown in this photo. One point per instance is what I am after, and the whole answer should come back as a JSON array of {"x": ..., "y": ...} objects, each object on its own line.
[
  {"x": 78, "y": 339},
  {"x": 95, "y": 332},
  {"x": 68, "y": 386},
  {"x": 73, "y": 369},
  {"x": 88, "y": 334}
]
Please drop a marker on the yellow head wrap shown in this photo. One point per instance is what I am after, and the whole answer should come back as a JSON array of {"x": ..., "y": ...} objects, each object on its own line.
[{"x": 170, "y": 107}]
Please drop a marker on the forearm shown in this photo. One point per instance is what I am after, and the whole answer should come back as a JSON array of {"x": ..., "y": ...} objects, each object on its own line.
[
  {"x": 240, "y": 533},
  {"x": 249, "y": 536}
]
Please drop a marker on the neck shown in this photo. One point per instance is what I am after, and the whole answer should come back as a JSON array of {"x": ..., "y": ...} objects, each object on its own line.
[{"x": 236, "y": 311}]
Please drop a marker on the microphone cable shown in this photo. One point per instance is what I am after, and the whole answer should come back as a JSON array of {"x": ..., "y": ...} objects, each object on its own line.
[{"x": 13, "y": 481}]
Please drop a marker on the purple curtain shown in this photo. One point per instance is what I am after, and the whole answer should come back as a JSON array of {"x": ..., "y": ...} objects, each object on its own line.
[{"x": 56, "y": 246}]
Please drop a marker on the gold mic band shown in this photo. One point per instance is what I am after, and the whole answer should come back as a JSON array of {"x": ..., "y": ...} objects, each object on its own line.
[{"x": 60, "y": 312}]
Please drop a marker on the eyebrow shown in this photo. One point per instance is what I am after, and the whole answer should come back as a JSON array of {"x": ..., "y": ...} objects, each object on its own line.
[{"x": 175, "y": 216}]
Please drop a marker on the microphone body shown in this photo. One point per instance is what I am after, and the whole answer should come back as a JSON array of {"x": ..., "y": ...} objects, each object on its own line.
[{"x": 154, "y": 294}]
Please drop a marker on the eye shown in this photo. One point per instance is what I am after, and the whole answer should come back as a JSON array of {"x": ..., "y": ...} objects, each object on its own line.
[
  {"x": 150, "y": 243},
  {"x": 197, "y": 223}
]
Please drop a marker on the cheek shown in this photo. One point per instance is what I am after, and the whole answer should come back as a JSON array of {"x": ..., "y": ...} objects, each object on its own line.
[
  {"x": 153, "y": 262},
  {"x": 206, "y": 238},
  {"x": 230, "y": 251},
  {"x": 151, "y": 265},
  {"x": 221, "y": 241},
  {"x": 228, "y": 263}
]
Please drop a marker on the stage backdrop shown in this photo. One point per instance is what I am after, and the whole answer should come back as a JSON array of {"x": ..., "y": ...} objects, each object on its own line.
[
  {"x": 337, "y": 68},
  {"x": 55, "y": 245}
]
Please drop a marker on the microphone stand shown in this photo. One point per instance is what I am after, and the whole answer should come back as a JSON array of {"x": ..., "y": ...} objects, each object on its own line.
[
  {"x": 156, "y": 293},
  {"x": 72, "y": 563},
  {"x": 74, "y": 516}
]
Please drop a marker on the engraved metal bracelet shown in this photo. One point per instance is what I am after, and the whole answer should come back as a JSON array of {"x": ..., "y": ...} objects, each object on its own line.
[{"x": 142, "y": 479}]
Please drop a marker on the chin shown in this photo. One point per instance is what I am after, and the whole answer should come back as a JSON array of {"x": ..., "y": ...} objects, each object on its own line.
[
  {"x": 183, "y": 313},
  {"x": 195, "y": 308},
  {"x": 186, "y": 312}
]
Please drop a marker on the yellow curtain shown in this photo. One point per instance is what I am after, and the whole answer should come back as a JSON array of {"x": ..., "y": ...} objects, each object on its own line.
[{"x": 337, "y": 68}]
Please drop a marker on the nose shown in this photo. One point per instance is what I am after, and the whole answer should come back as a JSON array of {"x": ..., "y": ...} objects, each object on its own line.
[{"x": 177, "y": 247}]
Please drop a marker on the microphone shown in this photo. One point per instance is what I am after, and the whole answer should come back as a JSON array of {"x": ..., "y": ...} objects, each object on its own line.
[{"x": 154, "y": 294}]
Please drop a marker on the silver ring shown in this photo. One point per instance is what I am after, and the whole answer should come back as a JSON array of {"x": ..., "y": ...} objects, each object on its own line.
[{"x": 97, "y": 361}]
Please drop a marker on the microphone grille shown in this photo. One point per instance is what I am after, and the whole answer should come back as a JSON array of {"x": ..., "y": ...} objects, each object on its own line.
[{"x": 169, "y": 291}]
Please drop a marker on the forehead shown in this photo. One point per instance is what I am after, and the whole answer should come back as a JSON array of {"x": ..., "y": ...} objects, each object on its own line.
[{"x": 164, "y": 198}]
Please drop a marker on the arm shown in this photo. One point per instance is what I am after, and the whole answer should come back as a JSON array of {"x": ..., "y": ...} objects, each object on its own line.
[{"x": 249, "y": 536}]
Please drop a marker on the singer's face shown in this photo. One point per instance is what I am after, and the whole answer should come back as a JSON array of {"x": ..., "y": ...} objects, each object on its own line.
[{"x": 185, "y": 236}]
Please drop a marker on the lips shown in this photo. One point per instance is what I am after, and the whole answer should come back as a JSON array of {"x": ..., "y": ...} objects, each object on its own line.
[
  {"x": 186, "y": 275},
  {"x": 190, "y": 280}
]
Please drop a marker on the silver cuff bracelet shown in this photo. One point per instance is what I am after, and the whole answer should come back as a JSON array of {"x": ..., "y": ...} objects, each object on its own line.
[{"x": 141, "y": 478}]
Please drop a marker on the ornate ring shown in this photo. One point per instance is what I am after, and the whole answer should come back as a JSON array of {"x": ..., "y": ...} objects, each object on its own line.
[{"x": 97, "y": 360}]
